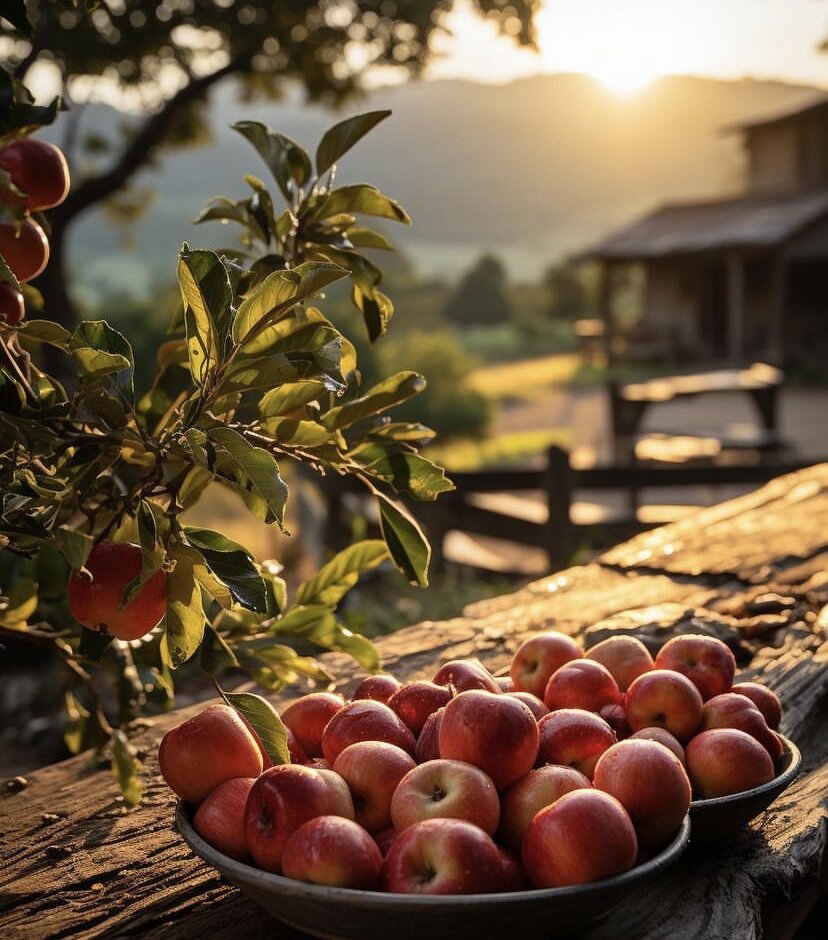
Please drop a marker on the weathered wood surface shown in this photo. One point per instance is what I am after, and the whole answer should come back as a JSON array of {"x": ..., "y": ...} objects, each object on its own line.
[{"x": 77, "y": 864}]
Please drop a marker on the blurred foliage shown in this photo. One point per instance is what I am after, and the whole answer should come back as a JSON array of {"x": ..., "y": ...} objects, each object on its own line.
[{"x": 480, "y": 298}]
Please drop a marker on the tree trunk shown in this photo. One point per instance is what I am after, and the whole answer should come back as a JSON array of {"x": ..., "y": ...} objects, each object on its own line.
[{"x": 53, "y": 284}]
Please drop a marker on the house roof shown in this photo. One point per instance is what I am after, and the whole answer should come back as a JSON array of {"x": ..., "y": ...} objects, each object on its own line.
[
  {"x": 817, "y": 104},
  {"x": 690, "y": 228}
]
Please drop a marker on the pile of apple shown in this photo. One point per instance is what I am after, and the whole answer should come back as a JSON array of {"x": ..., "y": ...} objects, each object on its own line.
[{"x": 575, "y": 767}]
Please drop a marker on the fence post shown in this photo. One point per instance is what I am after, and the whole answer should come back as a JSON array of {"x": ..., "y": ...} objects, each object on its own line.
[{"x": 559, "y": 484}]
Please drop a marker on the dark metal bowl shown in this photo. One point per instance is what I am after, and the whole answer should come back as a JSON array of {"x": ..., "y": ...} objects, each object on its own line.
[
  {"x": 721, "y": 816},
  {"x": 348, "y": 914}
]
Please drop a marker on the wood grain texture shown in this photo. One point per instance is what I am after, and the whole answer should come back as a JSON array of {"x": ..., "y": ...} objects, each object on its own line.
[{"x": 77, "y": 864}]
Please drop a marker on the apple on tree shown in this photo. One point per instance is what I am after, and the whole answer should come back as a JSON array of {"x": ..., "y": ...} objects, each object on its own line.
[{"x": 38, "y": 170}]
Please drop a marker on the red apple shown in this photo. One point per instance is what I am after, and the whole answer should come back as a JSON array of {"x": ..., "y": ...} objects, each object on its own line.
[
  {"x": 295, "y": 749},
  {"x": 415, "y": 701},
  {"x": 213, "y": 746},
  {"x": 428, "y": 743},
  {"x": 766, "y": 700},
  {"x": 663, "y": 736},
  {"x": 538, "y": 789},
  {"x": 372, "y": 770},
  {"x": 724, "y": 761},
  {"x": 538, "y": 657},
  {"x": 308, "y": 716},
  {"x": 705, "y": 660},
  {"x": 534, "y": 704},
  {"x": 341, "y": 802},
  {"x": 616, "y": 717},
  {"x": 626, "y": 657},
  {"x": 219, "y": 820},
  {"x": 330, "y": 850},
  {"x": 573, "y": 737},
  {"x": 496, "y": 733},
  {"x": 318, "y": 763},
  {"x": 281, "y": 800},
  {"x": 731, "y": 710},
  {"x": 466, "y": 674},
  {"x": 379, "y": 687},
  {"x": 649, "y": 781},
  {"x": 663, "y": 698},
  {"x": 446, "y": 789},
  {"x": 582, "y": 683},
  {"x": 442, "y": 856},
  {"x": 385, "y": 839},
  {"x": 586, "y": 835},
  {"x": 505, "y": 683},
  {"x": 365, "y": 720},
  {"x": 512, "y": 875}
]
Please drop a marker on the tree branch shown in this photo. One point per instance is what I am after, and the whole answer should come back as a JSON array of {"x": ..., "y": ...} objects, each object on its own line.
[{"x": 137, "y": 153}]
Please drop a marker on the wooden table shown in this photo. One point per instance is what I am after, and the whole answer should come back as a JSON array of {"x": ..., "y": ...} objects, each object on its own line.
[
  {"x": 761, "y": 382},
  {"x": 753, "y": 571}
]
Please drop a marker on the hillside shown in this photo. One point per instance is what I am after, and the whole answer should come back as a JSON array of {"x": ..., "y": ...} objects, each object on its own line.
[{"x": 531, "y": 170}]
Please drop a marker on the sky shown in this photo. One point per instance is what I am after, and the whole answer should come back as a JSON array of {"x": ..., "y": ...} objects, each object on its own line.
[{"x": 627, "y": 43}]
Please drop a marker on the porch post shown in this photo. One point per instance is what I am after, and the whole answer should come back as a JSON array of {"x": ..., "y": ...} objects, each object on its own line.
[
  {"x": 776, "y": 317},
  {"x": 605, "y": 307},
  {"x": 735, "y": 307}
]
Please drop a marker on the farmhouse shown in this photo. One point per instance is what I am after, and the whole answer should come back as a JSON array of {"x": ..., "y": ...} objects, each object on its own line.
[{"x": 734, "y": 279}]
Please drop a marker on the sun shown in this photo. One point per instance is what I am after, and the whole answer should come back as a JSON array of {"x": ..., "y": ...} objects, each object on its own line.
[{"x": 625, "y": 77}]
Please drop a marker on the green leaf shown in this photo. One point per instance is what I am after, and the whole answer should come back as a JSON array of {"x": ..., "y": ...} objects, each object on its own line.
[
  {"x": 265, "y": 722},
  {"x": 125, "y": 766},
  {"x": 45, "y": 331},
  {"x": 184, "y": 623},
  {"x": 339, "y": 139},
  {"x": 317, "y": 624},
  {"x": 201, "y": 292},
  {"x": 405, "y": 540},
  {"x": 358, "y": 198},
  {"x": 152, "y": 556},
  {"x": 74, "y": 546},
  {"x": 361, "y": 237},
  {"x": 391, "y": 391},
  {"x": 18, "y": 602},
  {"x": 297, "y": 432},
  {"x": 232, "y": 565},
  {"x": 279, "y": 292},
  {"x": 407, "y": 472},
  {"x": 100, "y": 351},
  {"x": 340, "y": 574},
  {"x": 215, "y": 656},
  {"x": 75, "y": 728},
  {"x": 289, "y": 397},
  {"x": 376, "y": 309},
  {"x": 257, "y": 468},
  {"x": 289, "y": 163},
  {"x": 254, "y": 373}
]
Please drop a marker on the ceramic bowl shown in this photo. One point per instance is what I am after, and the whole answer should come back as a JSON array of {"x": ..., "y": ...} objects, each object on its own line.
[
  {"x": 347, "y": 914},
  {"x": 720, "y": 817}
]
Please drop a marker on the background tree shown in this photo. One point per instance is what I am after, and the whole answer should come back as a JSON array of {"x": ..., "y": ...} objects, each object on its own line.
[
  {"x": 569, "y": 297},
  {"x": 480, "y": 298},
  {"x": 163, "y": 58}
]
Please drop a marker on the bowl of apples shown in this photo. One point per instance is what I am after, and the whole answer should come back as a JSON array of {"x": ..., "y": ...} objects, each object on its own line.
[{"x": 472, "y": 803}]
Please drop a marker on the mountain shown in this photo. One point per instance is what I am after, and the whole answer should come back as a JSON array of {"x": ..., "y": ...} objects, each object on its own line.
[{"x": 530, "y": 170}]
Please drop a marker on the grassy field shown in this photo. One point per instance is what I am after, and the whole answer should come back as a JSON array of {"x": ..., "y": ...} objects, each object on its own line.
[{"x": 527, "y": 378}]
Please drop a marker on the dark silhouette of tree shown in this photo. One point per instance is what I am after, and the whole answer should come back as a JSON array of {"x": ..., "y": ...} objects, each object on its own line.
[
  {"x": 568, "y": 297},
  {"x": 480, "y": 297},
  {"x": 168, "y": 54}
]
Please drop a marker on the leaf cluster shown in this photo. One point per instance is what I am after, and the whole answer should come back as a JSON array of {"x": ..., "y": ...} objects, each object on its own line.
[{"x": 253, "y": 379}]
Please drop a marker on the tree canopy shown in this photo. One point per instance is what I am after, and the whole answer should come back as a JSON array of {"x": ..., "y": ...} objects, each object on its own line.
[{"x": 480, "y": 297}]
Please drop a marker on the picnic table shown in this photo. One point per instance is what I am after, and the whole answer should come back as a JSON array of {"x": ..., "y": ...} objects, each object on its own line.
[
  {"x": 753, "y": 571},
  {"x": 630, "y": 401}
]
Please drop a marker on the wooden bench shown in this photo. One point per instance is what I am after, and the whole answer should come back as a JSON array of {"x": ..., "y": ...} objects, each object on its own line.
[
  {"x": 630, "y": 401},
  {"x": 753, "y": 571}
]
